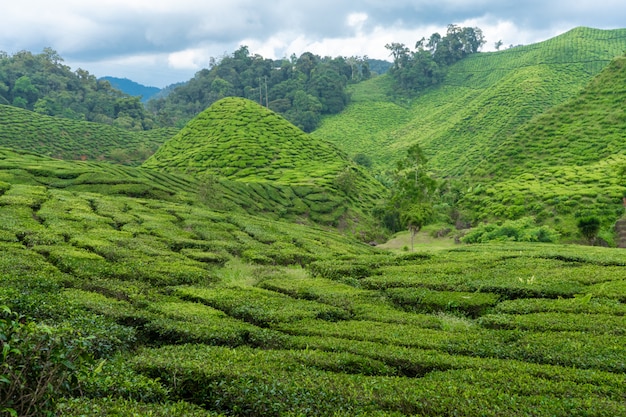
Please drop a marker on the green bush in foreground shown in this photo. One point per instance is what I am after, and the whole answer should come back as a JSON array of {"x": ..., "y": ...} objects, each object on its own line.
[{"x": 37, "y": 364}]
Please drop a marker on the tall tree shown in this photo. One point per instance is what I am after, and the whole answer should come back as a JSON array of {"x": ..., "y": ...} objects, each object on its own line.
[
  {"x": 412, "y": 192},
  {"x": 416, "y": 70}
]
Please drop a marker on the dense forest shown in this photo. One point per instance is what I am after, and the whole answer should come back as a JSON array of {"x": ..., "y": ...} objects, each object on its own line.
[
  {"x": 426, "y": 65},
  {"x": 42, "y": 83},
  {"x": 301, "y": 89}
]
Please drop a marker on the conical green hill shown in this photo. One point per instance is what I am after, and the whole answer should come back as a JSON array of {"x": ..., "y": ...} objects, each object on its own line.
[
  {"x": 286, "y": 171},
  {"x": 239, "y": 139}
]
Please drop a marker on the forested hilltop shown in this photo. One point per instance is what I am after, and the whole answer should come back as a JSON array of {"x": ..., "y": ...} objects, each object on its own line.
[
  {"x": 44, "y": 84},
  {"x": 301, "y": 88}
]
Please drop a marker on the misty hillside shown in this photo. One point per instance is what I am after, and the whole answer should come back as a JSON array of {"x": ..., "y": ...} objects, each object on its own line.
[{"x": 133, "y": 88}]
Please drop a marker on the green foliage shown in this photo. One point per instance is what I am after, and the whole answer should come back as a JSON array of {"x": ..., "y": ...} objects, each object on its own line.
[
  {"x": 424, "y": 300},
  {"x": 76, "y": 139},
  {"x": 42, "y": 83},
  {"x": 286, "y": 172},
  {"x": 484, "y": 126},
  {"x": 80, "y": 407},
  {"x": 37, "y": 364},
  {"x": 426, "y": 66},
  {"x": 204, "y": 302},
  {"x": 589, "y": 228},
  {"x": 522, "y": 230},
  {"x": 411, "y": 196},
  {"x": 301, "y": 89}
]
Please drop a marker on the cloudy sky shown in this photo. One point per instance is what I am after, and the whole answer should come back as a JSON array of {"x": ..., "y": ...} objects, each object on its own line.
[{"x": 159, "y": 42}]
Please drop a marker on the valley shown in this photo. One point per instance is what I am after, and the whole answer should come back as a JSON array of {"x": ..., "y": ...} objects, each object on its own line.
[{"x": 239, "y": 266}]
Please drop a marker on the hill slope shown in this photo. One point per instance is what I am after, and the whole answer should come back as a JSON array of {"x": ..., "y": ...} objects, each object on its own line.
[
  {"x": 483, "y": 99},
  {"x": 237, "y": 138},
  {"x": 563, "y": 163},
  {"x": 71, "y": 139},
  {"x": 585, "y": 129},
  {"x": 187, "y": 311},
  {"x": 240, "y": 140}
]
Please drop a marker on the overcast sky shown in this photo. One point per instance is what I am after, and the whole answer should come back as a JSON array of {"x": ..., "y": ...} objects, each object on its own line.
[{"x": 159, "y": 42}]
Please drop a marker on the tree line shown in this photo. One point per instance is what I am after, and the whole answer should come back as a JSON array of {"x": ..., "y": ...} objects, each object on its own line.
[
  {"x": 43, "y": 84},
  {"x": 426, "y": 65},
  {"x": 301, "y": 88}
]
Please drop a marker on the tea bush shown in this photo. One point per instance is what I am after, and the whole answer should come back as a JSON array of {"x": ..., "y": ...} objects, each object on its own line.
[{"x": 38, "y": 364}]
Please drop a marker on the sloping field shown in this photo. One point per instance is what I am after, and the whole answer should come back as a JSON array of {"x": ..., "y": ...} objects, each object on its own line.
[
  {"x": 75, "y": 140},
  {"x": 483, "y": 100},
  {"x": 302, "y": 204},
  {"x": 242, "y": 141},
  {"x": 204, "y": 313},
  {"x": 563, "y": 164}
]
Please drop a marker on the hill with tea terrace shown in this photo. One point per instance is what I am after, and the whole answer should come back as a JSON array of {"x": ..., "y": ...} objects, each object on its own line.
[
  {"x": 533, "y": 131},
  {"x": 62, "y": 138},
  {"x": 483, "y": 99},
  {"x": 239, "y": 140}
]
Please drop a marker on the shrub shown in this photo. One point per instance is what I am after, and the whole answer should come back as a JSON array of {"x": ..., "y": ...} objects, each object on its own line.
[
  {"x": 522, "y": 230},
  {"x": 589, "y": 227},
  {"x": 81, "y": 407},
  {"x": 38, "y": 364},
  {"x": 424, "y": 300}
]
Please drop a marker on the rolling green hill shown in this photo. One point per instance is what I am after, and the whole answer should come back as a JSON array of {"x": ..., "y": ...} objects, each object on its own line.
[
  {"x": 521, "y": 130},
  {"x": 564, "y": 163},
  {"x": 155, "y": 304},
  {"x": 483, "y": 99},
  {"x": 71, "y": 139},
  {"x": 239, "y": 140},
  {"x": 583, "y": 130},
  {"x": 202, "y": 284}
]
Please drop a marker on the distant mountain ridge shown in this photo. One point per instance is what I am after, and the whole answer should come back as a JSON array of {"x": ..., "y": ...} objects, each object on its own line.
[{"x": 133, "y": 88}]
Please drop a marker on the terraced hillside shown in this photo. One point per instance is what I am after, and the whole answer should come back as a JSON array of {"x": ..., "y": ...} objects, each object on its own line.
[
  {"x": 565, "y": 163},
  {"x": 242, "y": 141},
  {"x": 273, "y": 201},
  {"x": 69, "y": 139},
  {"x": 586, "y": 129},
  {"x": 239, "y": 139},
  {"x": 483, "y": 99},
  {"x": 179, "y": 310}
]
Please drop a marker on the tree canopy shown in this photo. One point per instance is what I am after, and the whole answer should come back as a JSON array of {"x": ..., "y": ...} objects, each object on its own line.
[
  {"x": 412, "y": 193},
  {"x": 426, "y": 65},
  {"x": 42, "y": 83},
  {"x": 301, "y": 88}
]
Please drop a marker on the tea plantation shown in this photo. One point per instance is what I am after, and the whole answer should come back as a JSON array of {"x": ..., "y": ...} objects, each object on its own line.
[
  {"x": 71, "y": 139},
  {"x": 533, "y": 131},
  {"x": 228, "y": 275},
  {"x": 239, "y": 140},
  {"x": 165, "y": 306}
]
